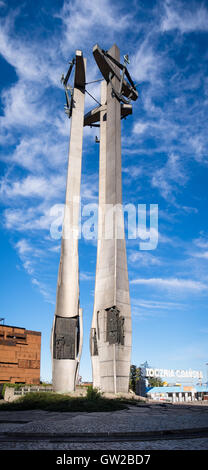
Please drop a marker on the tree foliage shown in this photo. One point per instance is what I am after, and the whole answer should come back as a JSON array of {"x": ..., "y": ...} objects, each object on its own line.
[
  {"x": 155, "y": 382},
  {"x": 135, "y": 376}
]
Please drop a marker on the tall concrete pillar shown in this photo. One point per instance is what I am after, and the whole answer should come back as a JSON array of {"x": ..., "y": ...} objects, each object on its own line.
[
  {"x": 111, "y": 324},
  {"x": 66, "y": 342},
  {"x": 101, "y": 220}
]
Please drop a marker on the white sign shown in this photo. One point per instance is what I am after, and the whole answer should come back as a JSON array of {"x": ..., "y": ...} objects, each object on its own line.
[{"x": 180, "y": 373}]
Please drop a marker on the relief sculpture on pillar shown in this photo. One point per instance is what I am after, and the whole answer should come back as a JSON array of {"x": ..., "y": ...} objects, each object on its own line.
[
  {"x": 115, "y": 326},
  {"x": 65, "y": 338},
  {"x": 93, "y": 342}
]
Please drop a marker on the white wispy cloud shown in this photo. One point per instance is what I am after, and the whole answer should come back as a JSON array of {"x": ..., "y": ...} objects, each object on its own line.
[
  {"x": 44, "y": 290},
  {"x": 84, "y": 20},
  {"x": 28, "y": 219},
  {"x": 157, "y": 304},
  {"x": 86, "y": 276},
  {"x": 31, "y": 62},
  {"x": 203, "y": 254},
  {"x": 132, "y": 173},
  {"x": 186, "y": 19},
  {"x": 30, "y": 256},
  {"x": 198, "y": 248},
  {"x": 171, "y": 283},
  {"x": 33, "y": 187},
  {"x": 168, "y": 178},
  {"x": 23, "y": 106},
  {"x": 198, "y": 143},
  {"x": 27, "y": 249},
  {"x": 23, "y": 246},
  {"x": 144, "y": 259},
  {"x": 201, "y": 241},
  {"x": 55, "y": 248},
  {"x": 146, "y": 314},
  {"x": 140, "y": 127},
  {"x": 146, "y": 309},
  {"x": 38, "y": 153},
  {"x": 146, "y": 64}
]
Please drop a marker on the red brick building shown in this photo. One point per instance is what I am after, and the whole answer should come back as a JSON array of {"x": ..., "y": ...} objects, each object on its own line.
[{"x": 19, "y": 355}]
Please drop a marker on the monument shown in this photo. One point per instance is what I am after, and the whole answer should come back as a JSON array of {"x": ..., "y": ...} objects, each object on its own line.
[
  {"x": 67, "y": 330},
  {"x": 110, "y": 339}
]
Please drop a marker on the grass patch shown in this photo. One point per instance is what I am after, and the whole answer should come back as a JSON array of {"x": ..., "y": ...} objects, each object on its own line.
[
  {"x": 50, "y": 401},
  {"x": 11, "y": 385},
  {"x": 93, "y": 393}
]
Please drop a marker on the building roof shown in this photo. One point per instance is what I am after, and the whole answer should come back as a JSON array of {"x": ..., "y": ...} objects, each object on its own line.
[
  {"x": 20, "y": 328},
  {"x": 177, "y": 389}
]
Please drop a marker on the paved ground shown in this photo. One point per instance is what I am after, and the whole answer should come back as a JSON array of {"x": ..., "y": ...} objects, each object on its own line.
[
  {"x": 146, "y": 426},
  {"x": 190, "y": 444}
]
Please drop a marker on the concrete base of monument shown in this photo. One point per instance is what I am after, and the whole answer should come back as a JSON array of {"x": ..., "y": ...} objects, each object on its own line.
[
  {"x": 81, "y": 391},
  {"x": 12, "y": 393},
  {"x": 128, "y": 396},
  {"x": 17, "y": 391},
  {"x": 64, "y": 374}
]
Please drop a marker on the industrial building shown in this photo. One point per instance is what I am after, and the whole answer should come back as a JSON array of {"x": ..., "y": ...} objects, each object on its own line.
[
  {"x": 178, "y": 393},
  {"x": 20, "y": 351}
]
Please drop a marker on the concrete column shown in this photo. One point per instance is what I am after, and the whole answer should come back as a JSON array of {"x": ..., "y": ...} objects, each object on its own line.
[
  {"x": 101, "y": 213},
  {"x": 67, "y": 334},
  {"x": 112, "y": 314}
]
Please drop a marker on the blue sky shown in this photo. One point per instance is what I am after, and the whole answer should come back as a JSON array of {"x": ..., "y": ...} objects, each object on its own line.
[{"x": 164, "y": 160}]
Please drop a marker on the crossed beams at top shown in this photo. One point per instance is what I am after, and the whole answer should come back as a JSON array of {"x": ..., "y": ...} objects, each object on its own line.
[
  {"x": 79, "y": 80},
  {"x": 106, "y": 63}
]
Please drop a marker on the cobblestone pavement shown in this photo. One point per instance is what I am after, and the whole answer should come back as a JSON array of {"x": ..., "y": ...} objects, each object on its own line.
[
  {"x": 137, "y": 418},
  {"x": 181, "y": 444},
  {"x": 142, "y": 418}
]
